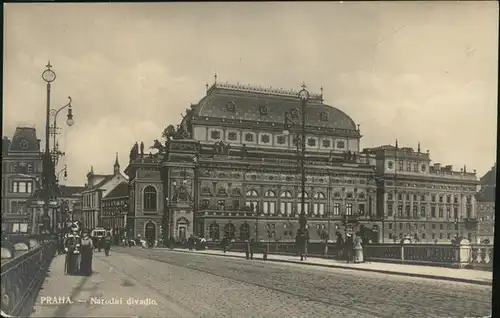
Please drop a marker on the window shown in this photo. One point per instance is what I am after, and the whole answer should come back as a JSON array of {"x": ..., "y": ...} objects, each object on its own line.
[
  {"x": 415, "y": 167},
  {"x": 407, "y": 211},
  {"x": 221, "y": 205},
  {"x": 348, "y": 209},
  {"x": 295, "y": 113},
  {"x": 433, "y": 198},
  {"x": 281, "y": 140},
  {"x": 269, "y": 206},
  {"x": 400, "y": 210},
  {"x": 441, "y": 226},
  {"x": 422, "y": 167},
  {"x": 249, "y": 137},
  {"x": 319, "y": 195},
  {"x": 440, "y": 198},
  {"x": 326, "y": 143},
  {"x": 349, "y": 195},
  {"x": 336, "y": 209},
  {"x": 236, "y": 204},
  {"x": 29, "y": 187},
  {"x": 215, "y": 134},
  {"x": 441, "y": 212},
  {"x": 265, "y": 138},
  {"x": 311, "y": 142},
  {"x": 340, "y": 144},
  {"x": 319, "y": 208},
  {"x": 407, "y": 197},
  {"x": 286, "y": 208},
  {"x": 30, "y": 168},
  {"x": 422, "y": 198},
  {"x": 414, "y": 197},
  {"x": 361, "y": 195},
  {"x": 390, "y": 226},
  {"x": 389, "y": 196},
  {"x": 286, "y": 194},
  {"x": 306, "y": 208},
  {"x": 433, "y": 226},
  {"x": 149, "y": 197},
  {"x": 361, "y": 209},
  {"x": 433, "y": 211},
  {"x": 214, "y": 231},
  {"x": 422, "y": 211},
  {"x": 401, "y": 165},
  {"x": 230, "y": 231},
  {"x": 336, "y": 194},
  {"x": 455, "y": 212},
  {"x": 389, "y": 210},
  {"x": 244, "y": 232},
  {"x": 448, "y": 212},
  {"x": 415, "y": 211},
  {"x": 408, "y": 166},
  {"x": 232, "y": 136},
  {"x": 390, "y": 164},
  {"x": 252, "y": 202},
  {"x": 231, "y": 107},
  {"x": 400, "y": 196},
  {"x": 440, "y": 236},
  {"x": 323, "y": 116},
  {"x": 448, "y": 199}
]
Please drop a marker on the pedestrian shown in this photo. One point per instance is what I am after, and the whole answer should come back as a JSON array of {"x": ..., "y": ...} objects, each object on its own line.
[
  {"x": 190, "y": 242},
  {"x": 358, "y": 250},
  {"x": 252, "y": 248},
  {"x": 247, "y": 250},
  {"x": 107, "y": 243},
  {"x": 72, "y": 248},
  {"x": 300, "y": 241},
  {"x": 340, "y": 246},
  {"x": 87, "y": 248},
  {"x": 348, "y": 247}
]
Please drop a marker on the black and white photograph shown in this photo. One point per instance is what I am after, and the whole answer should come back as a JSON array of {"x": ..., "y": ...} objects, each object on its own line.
[{"x": 249, "y": 159}]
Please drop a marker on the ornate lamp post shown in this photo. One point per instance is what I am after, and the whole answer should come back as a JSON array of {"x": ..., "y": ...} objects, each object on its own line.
[
  {"x": 48, "y": 172},
  {"x": 304, "y": 98},
  {"x": 63, "y": 170}
]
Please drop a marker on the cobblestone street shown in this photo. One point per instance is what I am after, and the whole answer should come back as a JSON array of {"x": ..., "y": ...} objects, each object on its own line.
[{"x": 190, "y": 285}]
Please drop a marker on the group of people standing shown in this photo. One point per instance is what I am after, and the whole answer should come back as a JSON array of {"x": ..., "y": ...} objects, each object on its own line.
[
  {"x": 78, "y": 247},
  {"x": 350, "y": 248}
]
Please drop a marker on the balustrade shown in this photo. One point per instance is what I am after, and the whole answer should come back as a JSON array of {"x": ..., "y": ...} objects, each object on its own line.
[{"x": 22, "y": 278}]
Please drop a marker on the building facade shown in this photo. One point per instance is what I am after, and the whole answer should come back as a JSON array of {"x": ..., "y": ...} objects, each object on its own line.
[
  {"x": 230, "y": 170},
  {"x": 420, "y": 200},
  {"x": 486, "y": 207},
  {"x": 21, "y": 175},
  {"x": 115, "y": 207},
  {"x": 97, "y": 187},
  {"x": 146, "y": 199}
]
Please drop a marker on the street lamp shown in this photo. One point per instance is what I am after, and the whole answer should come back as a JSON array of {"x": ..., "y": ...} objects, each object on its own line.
[
  {"x": 69, "y": 121},
  {"x": 48, "y": 171},
  {"x": 63, "y": 170},
  {"x": 304, "y": 97}
]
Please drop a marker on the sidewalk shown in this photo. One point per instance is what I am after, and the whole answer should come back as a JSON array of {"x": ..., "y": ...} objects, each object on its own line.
[
  {"x": 432, "y": 272},
  {"x": 107, "y": 293}
]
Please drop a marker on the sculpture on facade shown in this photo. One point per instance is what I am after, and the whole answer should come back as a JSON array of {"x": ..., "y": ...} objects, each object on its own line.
[
  {"x": 172, "y": 133},
  {"x": 349, "y": 156},
  {"x": 221, "y": 148},
  {"x": 182, "y": 194},
  {"x": 157, "y": 145},
  {"x": 142, "y": 149},
  {"x": 134, "y": 152}
]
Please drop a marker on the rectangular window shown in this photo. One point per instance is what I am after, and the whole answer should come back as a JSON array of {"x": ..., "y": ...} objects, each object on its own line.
[
  {"x": 440, "y": 236},
  {"x": 414, "y": 197},
  {"x": 249, "y": 137},
  {"x": 441, "y": 212},
  {"x": 433, "y": 226},
  {"x": 455, "y": 199},
  {"x": 441, "y": 226},
  {"x": 415, "y": 211},
  {"x": 433, "y": 211},
  {"x": 408, "y": 166},
  {"x": 389, "y": 210},
  {"x": 400, "y": 226},
  {"x": 361, "y": 209},
  {"x": 319, "y": 209},
  {"x": 423, "y": 235},
  {"x": 433, "y": 198},
  {"x": 269, "y": 207},
  {"x": 400, "y": 210},
  {"x": 22, "y": 187},
  {"x": 401, "y": 165},
  {"x": 306, "y": 208},
  {"x": 469, "y": 211},
  {"x": 236, "y": 204},
  {"x": 389, "y": 196},
  {"x": 407, "y": 196},
  {"x": 390, "y": 236},
  {"x": 455, "y": 212},
  {"x": 422, "y": 211},
  {"x": 441, "y": 199},
  {"x": 29, "y": 187},
  {"x": 390, "y": 226},
  {"x": 422, "y": 198},
  {"x": 348, "y": 209},
  {"x": 286, "y": 208},
  {"x": 448, "y": 199},
  {"x": 448, "y": 212},
  {"x": 336, "y": 209},
  {"x": 433, "y": 236},
  {"x": 400, "y": 197},
  {"x": 408, "y": 211},
  {"x": 415, "y": 167},
  {"x": 30, "y": 168}
]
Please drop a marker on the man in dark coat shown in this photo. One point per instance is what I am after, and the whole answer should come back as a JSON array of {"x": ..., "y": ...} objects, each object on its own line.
[
  {"x": 107, "y": 243},
  {"x": 87, "y": 249},
  {"x": 300, "y": 243},
  {"x": 349, "y": 246}
]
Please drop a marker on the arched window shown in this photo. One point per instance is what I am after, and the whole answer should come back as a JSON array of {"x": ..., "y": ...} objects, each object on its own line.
[
  {"x": 214, "y": 231},
  {"x": 285, "y": 205},
  {"x": 299, "y": 203},
  {"x": 230, "y": 231},
  {"x": 252, "y": 202},
  {"x": 286, "y": 194},
  {"x": 269, "y": 206},
  {"x": 149, "y": 198},
  {"x": 244, "y": 232},
  {"x": 318, "y": 206}
]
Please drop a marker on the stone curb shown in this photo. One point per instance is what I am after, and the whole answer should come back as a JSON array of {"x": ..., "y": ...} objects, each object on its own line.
[{"x": 381, "y": 271}]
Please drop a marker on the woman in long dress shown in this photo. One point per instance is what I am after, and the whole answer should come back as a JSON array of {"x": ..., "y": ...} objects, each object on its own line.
[
  {"x": 358, "y": 250},
  {"x": 87, "y": 250},
  {"x": 72, "y": 248}
]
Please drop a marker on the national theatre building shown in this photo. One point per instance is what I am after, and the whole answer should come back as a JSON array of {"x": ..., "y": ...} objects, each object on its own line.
[
  {"x": 233, "y": 168},
  {"x": 230, "y": 170}
]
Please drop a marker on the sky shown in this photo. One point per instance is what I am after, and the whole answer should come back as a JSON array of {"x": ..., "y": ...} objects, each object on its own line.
[{"x": 416, "y": 71}]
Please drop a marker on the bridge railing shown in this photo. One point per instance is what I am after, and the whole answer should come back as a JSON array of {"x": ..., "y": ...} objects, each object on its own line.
[
  {"x": 22, "y": 277},
  {"x": 465, "y": 255}
]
